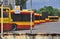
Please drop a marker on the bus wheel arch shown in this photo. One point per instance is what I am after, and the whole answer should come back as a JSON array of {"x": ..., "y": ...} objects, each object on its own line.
[{"x": 14, "y": 27}]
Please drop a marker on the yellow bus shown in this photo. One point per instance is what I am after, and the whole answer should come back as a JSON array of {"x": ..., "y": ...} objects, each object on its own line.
[
  {"x": 53, "y": 18},
  {"x": 37, "y": 18},
  {"x": 47, "y": 19},
  {"x": 22, "y": 20},
  {"x": 42, "y": 20},
  {"x": 6, "y": 19}
]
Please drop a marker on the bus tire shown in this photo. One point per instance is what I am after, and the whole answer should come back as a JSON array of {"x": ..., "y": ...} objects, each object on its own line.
[{"x": 14, "y": 26}]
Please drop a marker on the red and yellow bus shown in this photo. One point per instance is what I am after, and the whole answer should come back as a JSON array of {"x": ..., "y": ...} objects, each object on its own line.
[
  {"x": 6, "y": 19},
  {"x": 44, "y": 17},
  {"x": 37, "y": 18},
  {"x": 42, "y": 20},
  {"x": 47, "y": 19},
  {"x": 53, "y": 18},
  {"x": 22, "y": 20}
]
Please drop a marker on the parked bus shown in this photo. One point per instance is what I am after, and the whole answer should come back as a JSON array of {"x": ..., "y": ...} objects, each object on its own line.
[
  {"x": 22, "y": 20},
  {"x": 6, "y": 19},
  {"x": 44, "y": 17},
  {"x": 47, "y": 19},
  {"x": 42, "y": 20},
  {"x": 37, "y": 18},
  {"x": 53, "y": 18}
]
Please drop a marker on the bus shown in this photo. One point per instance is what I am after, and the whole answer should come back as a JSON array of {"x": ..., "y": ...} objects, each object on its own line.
[
  {"x": 6, "y": 19},
  {"x": 53, "y": 18},
  {"x": 37, "y": 18},
  {"x": 47, "y": 19},
  {"x": 42, "y": 19},
  {"x": 22, "y": 20}
]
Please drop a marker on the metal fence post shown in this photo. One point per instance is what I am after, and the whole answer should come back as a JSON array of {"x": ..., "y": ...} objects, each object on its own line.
[
  {"x": 31, "y": 16},
  {"x": 2, "y": 19},
  {"x": 57, "y": 36},
  {"x": 52, "y": 37}
]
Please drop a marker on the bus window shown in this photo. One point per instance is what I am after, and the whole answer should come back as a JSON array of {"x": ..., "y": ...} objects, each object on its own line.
[
  {"x": 42, "y": 18},
  {"x": 5, "y": 14},
  {"x": 54, "y": 18},
  {"x": 16, "y": 17},
  {"x": 37, "y": 18},
  {"x": 26, "y": 17},
  {"x": 4, "y": 9},
  {"x": 21, "y": 17}
]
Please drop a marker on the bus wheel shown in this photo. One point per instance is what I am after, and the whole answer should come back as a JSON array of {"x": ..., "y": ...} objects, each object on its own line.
[{"x": 14, "y": 26}]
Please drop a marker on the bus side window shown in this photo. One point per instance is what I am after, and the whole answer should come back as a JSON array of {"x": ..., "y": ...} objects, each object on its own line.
[{"x": 5, "y": 14}]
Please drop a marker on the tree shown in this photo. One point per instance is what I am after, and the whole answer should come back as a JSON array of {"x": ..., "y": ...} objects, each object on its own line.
[
  {"x": 51, "y": 11},
  {"x": 21, "y": 3},
  {"x": 48, "y": 9},
  {"x": 35, "y": 10},
  {"x": 1, "y": 2},
  {"x": 58, "y": 13}
]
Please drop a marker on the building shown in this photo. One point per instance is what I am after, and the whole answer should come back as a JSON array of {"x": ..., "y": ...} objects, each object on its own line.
[
  {"x": 11, "y": 3},
  {"x": 5, "y": 2}
]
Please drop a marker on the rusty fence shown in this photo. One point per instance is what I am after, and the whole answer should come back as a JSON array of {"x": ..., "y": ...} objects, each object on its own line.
[{"x": 34, "y": 36}]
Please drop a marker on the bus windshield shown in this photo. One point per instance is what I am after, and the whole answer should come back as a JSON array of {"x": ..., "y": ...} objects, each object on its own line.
[
  {"x": 5, "y": 14},
  {"x": 54, "y": 18},
  {"x": 37, "y": 17}
]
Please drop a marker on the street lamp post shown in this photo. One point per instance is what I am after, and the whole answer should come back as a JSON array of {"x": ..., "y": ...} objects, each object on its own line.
[
  {"x": 2, "y": 19},
  {"x": 31, "y": 16},
  {"x": 31, "y": 19}
]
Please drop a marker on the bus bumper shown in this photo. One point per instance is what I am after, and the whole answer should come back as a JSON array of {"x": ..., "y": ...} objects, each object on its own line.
[
  {"x": 6, "y": 26},
  {"x": 47, "y": 20},
  {"x": 24, "y": 26}
]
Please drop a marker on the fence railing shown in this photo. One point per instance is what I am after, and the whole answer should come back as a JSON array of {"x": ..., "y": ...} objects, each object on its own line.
[{"x": 34, "y": 36}]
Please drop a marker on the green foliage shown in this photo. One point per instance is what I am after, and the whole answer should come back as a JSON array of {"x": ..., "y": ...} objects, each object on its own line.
[
  {"x": 20, "y": 2},
  {"x": 51, "y": 11},
  {"x": 34, "y": 10}
]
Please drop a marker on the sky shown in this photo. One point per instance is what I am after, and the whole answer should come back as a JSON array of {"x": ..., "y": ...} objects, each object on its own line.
[{"x": 37, "y": 4}]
